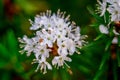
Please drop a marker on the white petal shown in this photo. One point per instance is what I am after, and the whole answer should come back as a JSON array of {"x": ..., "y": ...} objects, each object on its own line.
[
  {"x": 72, "y": 50},
  {"x": 115, "y": 40},
  {"x": 116, "y": 33},
  {"x": 49, "y": 66},
  {"x": 103, "y": 29},
  {"x": 68, "y": 59},
  {"x": 55, "y": 60}
]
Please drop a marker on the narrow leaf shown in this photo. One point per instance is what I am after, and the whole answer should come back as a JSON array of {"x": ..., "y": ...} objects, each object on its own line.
[
  {"x": 102, "y": 66},
  {"x": 4, "y": 52},
  {"x": 12, "y": 43},
  {"x": 100, "y": 36},
  {"x": 108, "y": 44},
  {"x": 92, "y": 12}
]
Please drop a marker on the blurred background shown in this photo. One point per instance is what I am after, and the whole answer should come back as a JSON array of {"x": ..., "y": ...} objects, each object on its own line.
[{"x": 14, "y": 15}]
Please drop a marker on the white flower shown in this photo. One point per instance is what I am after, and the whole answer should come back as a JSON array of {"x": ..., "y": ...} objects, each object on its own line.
[
  {"x": 113, "y": 1},
  {"x": 71, "y": 46},
  {"x": 114, "y": 10},
  {"x": 59, "y": 61},
  {"x": 66, "y": 47},
  {"x": 28, "y": 45},
  {"x": 41, "y": 51},
  {"x": 112, "y": 7},
  {"x": 48, "y": 38},
  {"x": 55, "y": 37},
  {"x": 42, "y": 64},
  {"x": 60, "y": 35},
  {"x": 102, "y": 7},
  {"x": 63, "y": 48},
  {"x": 103, "y": 29}
]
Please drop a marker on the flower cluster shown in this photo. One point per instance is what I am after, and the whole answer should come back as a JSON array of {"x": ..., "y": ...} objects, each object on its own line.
[
  {"x": 55, "y": 39},
  {"x": 111, "y": 8}
]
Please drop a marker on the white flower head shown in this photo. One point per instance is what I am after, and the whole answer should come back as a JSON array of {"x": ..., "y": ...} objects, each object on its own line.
[{"x": 55, "y": 38}]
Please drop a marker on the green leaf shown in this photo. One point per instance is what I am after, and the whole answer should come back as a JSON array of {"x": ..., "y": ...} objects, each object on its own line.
[
  {"x": 4, "y": 52},
  {"x": 98, "y": 37},
  {"x": 115, "y": 70},
  {"x": 118, "y": 57},
  {"x": 94, "y": 25},
  {"x": 18, "y": 67},
  {"x": 2, "y": 63},
  {"x": 92, "y": 12},
  {"x": 119, "y": 41},
  {"x": 108, "y": 44},
  {"x": 102, "y": 66},
  {"x": 84, "y": 69},
  {"x": 98, "y": 74},
  {"x": 27, "y": 6},
  {"x": 104, "y": 59},
  {"x": 55, "y": 74},
  {"x": 64, "y": 75},
  {"x": 12, "y": 43}
]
